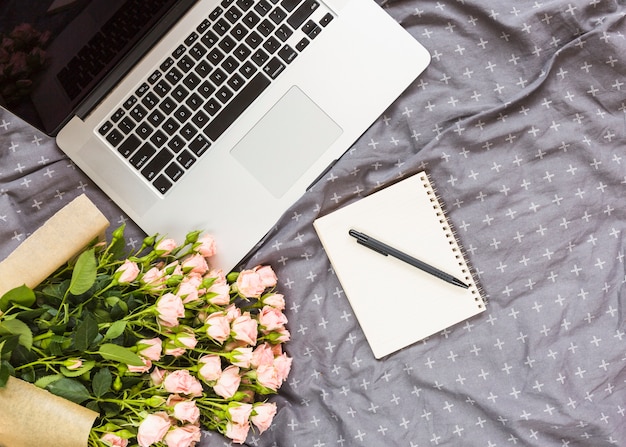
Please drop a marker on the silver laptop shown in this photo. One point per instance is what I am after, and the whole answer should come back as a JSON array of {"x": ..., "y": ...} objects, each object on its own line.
[{"x": 214, "y": 115}]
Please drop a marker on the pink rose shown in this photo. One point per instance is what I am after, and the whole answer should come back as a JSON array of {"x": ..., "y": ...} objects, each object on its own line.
[
  {"x": 221, "y": 295},
  {"x": 150, "y": 348},
  {"x": 245, "y": 329},
  {"x": 185, "y": 436},
  {"x": 113, "y": 440},
  {"x": 170, "y": 308},
  {"x": 210, "y": 367},
  {"x": 154, "y": 278},
  {"x": 147, "y": 364},
  {"x": 271, "y": 319},
  {"x": 228, "y": 382},
  {"x": 181, "y": 382},
  {"x": 268, "y": 377},
  {"x": 187, "y": 411},
  {"x": 73, "y": 364},
  {"x": 281, "y": 335},
  {"x": 207, "y": 247},
  {"x": 128, "y": 272},
  {"x": 156, "y": 376},
  {"x": 267, "y": 275},
  {"x": 166, "y": 246},
  {"x": 189, "y": 288},
  {"x": 153, "y": 428},
  {"x": 262, "y": 415},
  {"x": 218, "y": 327},
  {"x": 262, "y": 355},
  {"x": 237, "y": 432},
  {"x": 239, "y": 413},
  {"x": 232, "y": 312},
  {"x": 250, "y": 284},
  {"x": 275, "y": 300},
  {"x": 282, "y": 364},
  {"x": 195, "y": 264},
  {"x": 241, "y": 357}
]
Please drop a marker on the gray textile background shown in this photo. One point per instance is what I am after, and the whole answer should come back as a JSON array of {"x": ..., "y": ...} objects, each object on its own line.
[{"x": 520, "y": 121}]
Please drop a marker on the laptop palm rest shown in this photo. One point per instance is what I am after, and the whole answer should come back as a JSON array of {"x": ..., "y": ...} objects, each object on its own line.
[{"x": 279, "y": 158}]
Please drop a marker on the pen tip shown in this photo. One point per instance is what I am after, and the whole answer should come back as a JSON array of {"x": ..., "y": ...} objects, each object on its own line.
[{"x": 460, "y": 283}]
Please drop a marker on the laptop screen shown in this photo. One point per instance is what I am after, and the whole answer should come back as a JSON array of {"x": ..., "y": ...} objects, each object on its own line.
[{"x": 54, "y": 52}]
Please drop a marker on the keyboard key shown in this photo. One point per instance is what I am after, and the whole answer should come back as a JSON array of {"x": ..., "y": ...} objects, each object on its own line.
[
  {"x": 210, "y": 39},
  {"x": 176, "y": 144},
  {"x": 171, "y": 126},
  {"x": 263, "y": 7},
  {"x": 115, "y": 137},
  {"x": 303, "y": 12},
  {"x": 118, "y": 115},
  {"x": 162, "y": 184},
  {"x": 182, "y": 114},
  {"x": 199, "y": 145},
  {"x": 105, "y": 128},
  {"x": 251, "y": 19},
  {"x": 287, "y": 54},
  {"x": 186, "y": 159},
  {"x": 274, "y": 67},
  {"x": 144, "y": 131},
  {"x": 271, "y": 45},
  {"x": 324, "y": 21},
  {"x": 254, "y": 39},
  {"x": 283, "y": 32},
  {"x": 290, "y": 5},
  {"x": 233, "y": 14},
  {"x": 174, "y": 171},
  {"x": 138, "y": 113},
  {"x": 236, "y": 107},
  {"x": 302, "y": 44},
  {"x": 277, "y": 15},
  {"x": 245, "y": 4},
  {"x": 266, "y": 27},
  {"x": 126, "y": 125},
  {"x": 224, "y": 94},
  {"x": 150, "y": 100},
  {"x": 141, "y": 157},
  {"x": 156, "y": 165},
  {"x": 129, "y": 146}
]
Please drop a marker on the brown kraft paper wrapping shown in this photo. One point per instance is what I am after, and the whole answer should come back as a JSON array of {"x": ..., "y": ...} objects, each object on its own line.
[
  {"x": 32, "y": 417},
  {"x": 64, "y": 235}
]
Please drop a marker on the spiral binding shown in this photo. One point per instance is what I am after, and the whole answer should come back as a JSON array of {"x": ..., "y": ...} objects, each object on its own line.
[{"x": 451, "y": 235}]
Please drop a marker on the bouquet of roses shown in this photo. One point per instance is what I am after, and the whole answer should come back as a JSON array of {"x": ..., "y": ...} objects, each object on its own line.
[{"x": 158, "y": 343}]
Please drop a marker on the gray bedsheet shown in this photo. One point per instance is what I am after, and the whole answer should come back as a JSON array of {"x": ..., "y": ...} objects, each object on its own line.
[{"x": 520, "y": 121}]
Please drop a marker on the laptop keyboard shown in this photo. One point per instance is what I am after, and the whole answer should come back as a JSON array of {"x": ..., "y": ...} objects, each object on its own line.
[{"x": 200, "y": 89}]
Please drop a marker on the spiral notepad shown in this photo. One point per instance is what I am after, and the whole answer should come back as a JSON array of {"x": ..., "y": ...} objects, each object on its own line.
[{"x": 395, "y": 303}]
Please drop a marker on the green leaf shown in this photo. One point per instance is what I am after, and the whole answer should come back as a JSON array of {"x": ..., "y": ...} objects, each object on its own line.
[
  {"x": 117, "y": 353},
  {"x": 44, "y": 381},
  {"x": 87, "y": 366},
  {"x": 17, "y": 327},
  {"x": 102, "y": 381},
  {"x": 5, "y": 372},
  {"x": 115, "y": 330},
  {"x": 84, "y": 274},
  {"x": 86, "y": 332},
  {"x": 69, "y": 389},
  {"x": 21, "y": 295}
]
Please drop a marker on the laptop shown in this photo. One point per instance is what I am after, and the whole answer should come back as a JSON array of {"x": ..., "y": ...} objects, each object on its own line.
[{"x": 212, "y": 115}]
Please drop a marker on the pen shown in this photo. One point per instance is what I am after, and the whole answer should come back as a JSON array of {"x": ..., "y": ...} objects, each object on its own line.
[{"x": 386, "y": 250}]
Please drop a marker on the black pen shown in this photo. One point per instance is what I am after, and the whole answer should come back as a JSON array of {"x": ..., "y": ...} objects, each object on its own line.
[{"x": 386, "y": 250}]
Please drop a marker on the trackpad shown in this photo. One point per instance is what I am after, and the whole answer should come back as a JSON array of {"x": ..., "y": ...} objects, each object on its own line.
[{"x": 286, "y": 141}]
